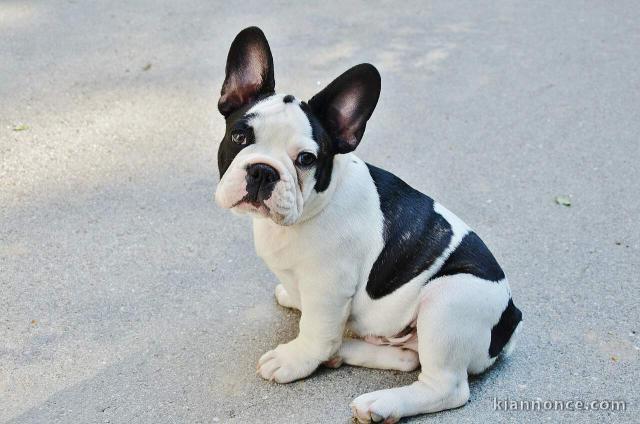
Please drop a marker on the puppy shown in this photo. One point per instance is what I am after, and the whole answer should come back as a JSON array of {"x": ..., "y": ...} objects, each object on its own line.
[{"x": 354, "y": 246}]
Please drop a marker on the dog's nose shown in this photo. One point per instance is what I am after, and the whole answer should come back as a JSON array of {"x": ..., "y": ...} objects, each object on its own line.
[{"x": 261, "y": 179}]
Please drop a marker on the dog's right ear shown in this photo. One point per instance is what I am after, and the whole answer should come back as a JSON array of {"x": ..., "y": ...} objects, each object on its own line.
[{"x": 249, "y": 71}]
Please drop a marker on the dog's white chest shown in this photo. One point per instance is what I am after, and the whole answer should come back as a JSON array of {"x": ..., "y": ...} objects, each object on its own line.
[{"x": 275, "y": 244}]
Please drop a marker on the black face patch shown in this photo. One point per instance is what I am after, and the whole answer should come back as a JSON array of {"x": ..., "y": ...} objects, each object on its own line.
[
  {"x": 472, "y": 257},
  {"x": 324, "y": 163},
  {"x": 414, "y": 234},
  {"x": 228, "y": 150},
  {"x": 501, "y": 332}
]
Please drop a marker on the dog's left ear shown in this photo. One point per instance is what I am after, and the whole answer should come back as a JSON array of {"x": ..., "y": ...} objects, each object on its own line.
[
  {"x": 345, "y": 105},
  {"x": 249, "y": 71}
]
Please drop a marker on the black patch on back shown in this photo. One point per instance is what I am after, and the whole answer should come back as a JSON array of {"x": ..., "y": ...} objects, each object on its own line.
[
  {"x": 288, "y": 98},
  {"x": 414, "y": 234},
  {"x": 472, "y": 257},
  {"x": 324, "y": 163},
  {"x": 501, "y": 332}
]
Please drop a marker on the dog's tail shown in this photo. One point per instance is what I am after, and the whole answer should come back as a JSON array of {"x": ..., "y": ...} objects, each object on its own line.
[{"x": 504, "y": 333}]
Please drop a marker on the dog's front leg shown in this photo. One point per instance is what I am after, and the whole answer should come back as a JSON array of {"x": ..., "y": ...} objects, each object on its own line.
[{"x": 324, "y": 313}]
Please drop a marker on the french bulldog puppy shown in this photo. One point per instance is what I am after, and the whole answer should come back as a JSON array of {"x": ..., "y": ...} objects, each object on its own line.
[{"x": 354, "y": 246}]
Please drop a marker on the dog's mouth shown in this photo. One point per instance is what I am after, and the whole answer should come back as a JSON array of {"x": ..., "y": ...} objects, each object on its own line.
[{"x": 251, "y": 205}]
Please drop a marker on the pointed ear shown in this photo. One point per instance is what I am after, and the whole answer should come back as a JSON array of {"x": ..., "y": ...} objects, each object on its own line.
[
  {"x": 249, "y": 71},
  {"x": 345, "y": 105}
]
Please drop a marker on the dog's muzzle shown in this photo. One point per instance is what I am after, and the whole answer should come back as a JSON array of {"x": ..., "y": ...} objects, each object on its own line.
[{"x": 261, "y": 180}]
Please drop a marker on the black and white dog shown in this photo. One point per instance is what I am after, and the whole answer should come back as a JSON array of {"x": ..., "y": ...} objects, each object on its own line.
[{"x": 353, "y": 245}]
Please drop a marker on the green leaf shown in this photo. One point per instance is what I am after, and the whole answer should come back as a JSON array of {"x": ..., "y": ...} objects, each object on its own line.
[
  {"x": 21, "y": 127},
  {"x": 563, "y": 201}
]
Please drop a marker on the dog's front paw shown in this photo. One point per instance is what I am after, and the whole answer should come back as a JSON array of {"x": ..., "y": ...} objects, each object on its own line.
[{"x": 286, "y": 363}]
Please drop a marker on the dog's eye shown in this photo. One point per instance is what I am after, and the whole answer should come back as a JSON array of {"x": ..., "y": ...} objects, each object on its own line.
[
  {"x": 239, "y": 138},
  {"x": 305, "y": 159}
]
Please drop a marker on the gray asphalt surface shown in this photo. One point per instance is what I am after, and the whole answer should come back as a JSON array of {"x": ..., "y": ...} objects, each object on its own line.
[{"x": 127, "y": 296}]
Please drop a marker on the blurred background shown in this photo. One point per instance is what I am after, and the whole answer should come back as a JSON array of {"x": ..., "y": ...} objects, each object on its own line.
[{"x": 126, "y": 295}]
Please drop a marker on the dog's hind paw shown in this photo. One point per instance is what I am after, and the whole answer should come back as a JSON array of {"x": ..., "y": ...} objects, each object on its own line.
[{"x": 374, "y": 407}]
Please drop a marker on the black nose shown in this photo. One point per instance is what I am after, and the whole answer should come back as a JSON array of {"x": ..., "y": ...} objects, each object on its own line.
[{"x": 261, "y": 179}]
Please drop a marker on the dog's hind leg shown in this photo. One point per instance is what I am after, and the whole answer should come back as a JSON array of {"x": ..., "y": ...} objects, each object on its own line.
[
  {"x": 454, "y": 325},
  {"x": 363, "y": 354},
  {"x": 431, "y": 393},
  {"x": 440, "y": 386}
]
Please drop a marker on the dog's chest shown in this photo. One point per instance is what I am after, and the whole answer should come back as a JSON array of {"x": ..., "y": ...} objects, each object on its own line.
[{"x": 277, "y": 246}]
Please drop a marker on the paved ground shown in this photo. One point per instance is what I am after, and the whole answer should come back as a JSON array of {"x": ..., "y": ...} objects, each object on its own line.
[{"x": 127, "y": 296}]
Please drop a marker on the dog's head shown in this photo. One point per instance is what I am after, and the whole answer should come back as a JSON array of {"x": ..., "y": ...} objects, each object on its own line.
[{"x": 277, "y": 152}]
